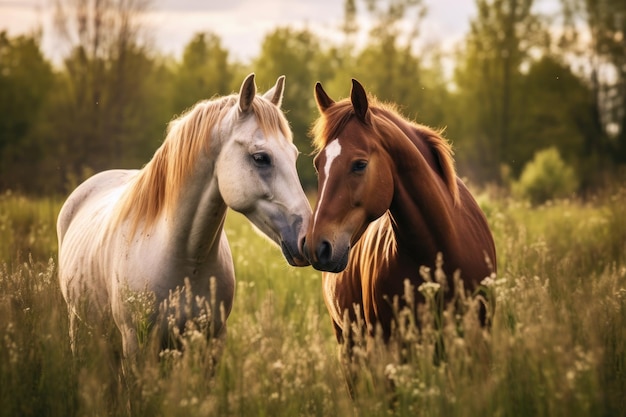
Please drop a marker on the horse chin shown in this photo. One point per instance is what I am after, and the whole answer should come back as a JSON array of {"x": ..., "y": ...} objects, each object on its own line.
[
  {"x": 335, "y": 265},
  {"x": 293, "y": 258}
]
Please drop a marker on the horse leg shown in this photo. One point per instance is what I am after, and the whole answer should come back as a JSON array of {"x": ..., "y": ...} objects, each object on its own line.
[
  {"x": 73, "y": 329},
  {"x": 130, "y": 347}
]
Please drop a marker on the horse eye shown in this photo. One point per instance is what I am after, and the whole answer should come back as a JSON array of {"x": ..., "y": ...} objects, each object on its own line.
[
  {"x": 359, "y": 166},
  {"x": 261, "y": 159}
]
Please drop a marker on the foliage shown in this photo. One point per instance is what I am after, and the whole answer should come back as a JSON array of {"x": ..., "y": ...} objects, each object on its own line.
[
  {"x": 516, "y": 87},
  {"x": 556, "y": 346},
  {"x": 546, "y": 177},
  {"x": 549, "y": 121},
  {"x": 203, "y": 73},
  {"x": 489, "y": 79},
  {"x": 26, "y": 80},
  {"x": 603, "y": 26},
  {"x": 105, "y": 73},
  {"x": 390, "y": 44}
]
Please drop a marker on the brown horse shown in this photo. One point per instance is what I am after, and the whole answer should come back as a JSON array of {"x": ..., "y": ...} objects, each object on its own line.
[{"x": 388, "y": 202}]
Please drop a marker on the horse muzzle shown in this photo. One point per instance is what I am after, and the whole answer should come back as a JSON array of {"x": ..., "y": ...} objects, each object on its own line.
[
  {"x": 293, "y": 255},
  {"x": 324, "y": 256}
]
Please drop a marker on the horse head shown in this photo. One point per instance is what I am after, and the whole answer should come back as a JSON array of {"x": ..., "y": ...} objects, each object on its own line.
[
  {"x": 355, "y": 181},
  {"x": 256, "y": 169}
]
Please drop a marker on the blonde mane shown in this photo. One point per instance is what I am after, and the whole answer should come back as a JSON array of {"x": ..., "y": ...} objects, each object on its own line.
[
  {"x": 157, "y": 186},
  {"x": 335, "y": 118}
]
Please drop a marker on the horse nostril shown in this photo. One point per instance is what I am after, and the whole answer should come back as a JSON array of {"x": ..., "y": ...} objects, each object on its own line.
[
  {"x": 324, "y": 252},
  {"x": 302, "y": 245}
]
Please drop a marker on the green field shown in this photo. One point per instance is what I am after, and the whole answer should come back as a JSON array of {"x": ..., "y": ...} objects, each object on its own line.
[{"x": 557, "y": 346}]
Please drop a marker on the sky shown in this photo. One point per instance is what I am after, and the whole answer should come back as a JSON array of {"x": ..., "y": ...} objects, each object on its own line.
[{"x": 241, "y": 24}]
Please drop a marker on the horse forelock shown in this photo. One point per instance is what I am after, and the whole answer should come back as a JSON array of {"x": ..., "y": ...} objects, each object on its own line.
[
  {"x": 271, "y": 119},
  {"x": 157, "y": 186},
  {"x": 383, "y": 115},
  {"x": 330, "y": 123}
]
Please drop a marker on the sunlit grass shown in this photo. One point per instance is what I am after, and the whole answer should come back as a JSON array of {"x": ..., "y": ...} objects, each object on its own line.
[
  {"x": 27, "y": 227},
  {"x": 557, "y": 345}
]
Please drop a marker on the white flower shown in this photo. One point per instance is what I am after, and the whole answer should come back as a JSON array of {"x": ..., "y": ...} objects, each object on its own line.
[{"x": 429, "y": 289}]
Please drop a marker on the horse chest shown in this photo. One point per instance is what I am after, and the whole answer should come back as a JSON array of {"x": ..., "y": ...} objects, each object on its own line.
[{"x": 375, "y": 276}]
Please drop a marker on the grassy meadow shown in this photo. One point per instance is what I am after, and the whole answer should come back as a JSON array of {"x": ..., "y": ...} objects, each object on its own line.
[{"x": 557, "y": 346}]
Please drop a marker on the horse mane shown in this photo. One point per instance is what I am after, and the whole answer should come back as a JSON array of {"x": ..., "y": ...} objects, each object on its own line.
[
  {"x": 157, "y": 185},
  {"x": 384, "y": 118}
]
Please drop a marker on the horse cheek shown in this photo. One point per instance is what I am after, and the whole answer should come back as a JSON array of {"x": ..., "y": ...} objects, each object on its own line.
[{"x": 380, "y": 192}]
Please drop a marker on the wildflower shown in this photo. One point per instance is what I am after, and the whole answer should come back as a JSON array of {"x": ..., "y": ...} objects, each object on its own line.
[
  {"x": 171, "y": 354},
  {"x": 429, "y": 289},
  {"x": 489, "y": 281},
  {"x": 278, "y": 366},
  {"x": 390, "y": 371}
]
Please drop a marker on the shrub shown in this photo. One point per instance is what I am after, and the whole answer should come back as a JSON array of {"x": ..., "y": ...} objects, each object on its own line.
[{"x": 546, "y": 177}]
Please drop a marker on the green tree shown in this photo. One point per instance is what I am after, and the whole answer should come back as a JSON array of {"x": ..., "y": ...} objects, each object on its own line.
[
  {"x": 339, "y": 59},
  {"x": 393, "y": 64},
  {"x": 204, "y": 72},
  {"x": 388, "y": 65},
  {"x": 488, "y": 77},
  {"x": 105, "y": 103},
  {"x": 26, "y": 79},
  {"x": 556, "y": 110},
  {"x": 605, "y": 57}
]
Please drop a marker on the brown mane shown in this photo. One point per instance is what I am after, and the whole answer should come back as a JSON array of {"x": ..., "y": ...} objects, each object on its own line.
[
  {"x": 334, "y": 119},
  {"x": 156, "y": 187}
]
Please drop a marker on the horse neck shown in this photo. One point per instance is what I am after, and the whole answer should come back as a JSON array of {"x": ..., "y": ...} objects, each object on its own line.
[
  {"x": 199, "y": 215},
  {"x": 422, "y": 206}
]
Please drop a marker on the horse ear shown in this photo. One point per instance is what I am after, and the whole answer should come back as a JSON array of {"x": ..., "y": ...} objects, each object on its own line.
[
  {"x": 275, "y": 94},
  {"x": 322, "y": 99},
  {"x": 359, "y": 101},
  {"x": 247, "y": 93}
]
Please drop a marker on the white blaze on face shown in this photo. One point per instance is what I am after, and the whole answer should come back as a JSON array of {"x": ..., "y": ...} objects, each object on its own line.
[{"x": 332, "y": 151}]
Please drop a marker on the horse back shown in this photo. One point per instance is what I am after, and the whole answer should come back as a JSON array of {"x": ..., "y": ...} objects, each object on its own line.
[{"x": 88, "y": 192}]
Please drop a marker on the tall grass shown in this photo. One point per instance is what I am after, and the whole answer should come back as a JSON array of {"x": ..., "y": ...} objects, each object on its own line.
[
  {"x": 557, "y": 345},
  {"x": 27, "y": 227}
]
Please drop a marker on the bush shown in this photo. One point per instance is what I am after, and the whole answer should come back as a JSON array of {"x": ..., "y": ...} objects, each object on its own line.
[{"x": 546, "y": 177}]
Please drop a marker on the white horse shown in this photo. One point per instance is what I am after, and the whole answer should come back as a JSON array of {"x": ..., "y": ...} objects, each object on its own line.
[{"x": 125, "y": 231}]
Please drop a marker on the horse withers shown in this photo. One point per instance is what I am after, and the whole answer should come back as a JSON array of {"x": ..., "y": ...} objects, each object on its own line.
[
  {"x": 389, "y": 202},
  {"x": 161, "y": 229}
]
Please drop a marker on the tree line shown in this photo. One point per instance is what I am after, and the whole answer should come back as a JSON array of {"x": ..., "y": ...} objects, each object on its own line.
[{"x": 520, "y": 81}]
